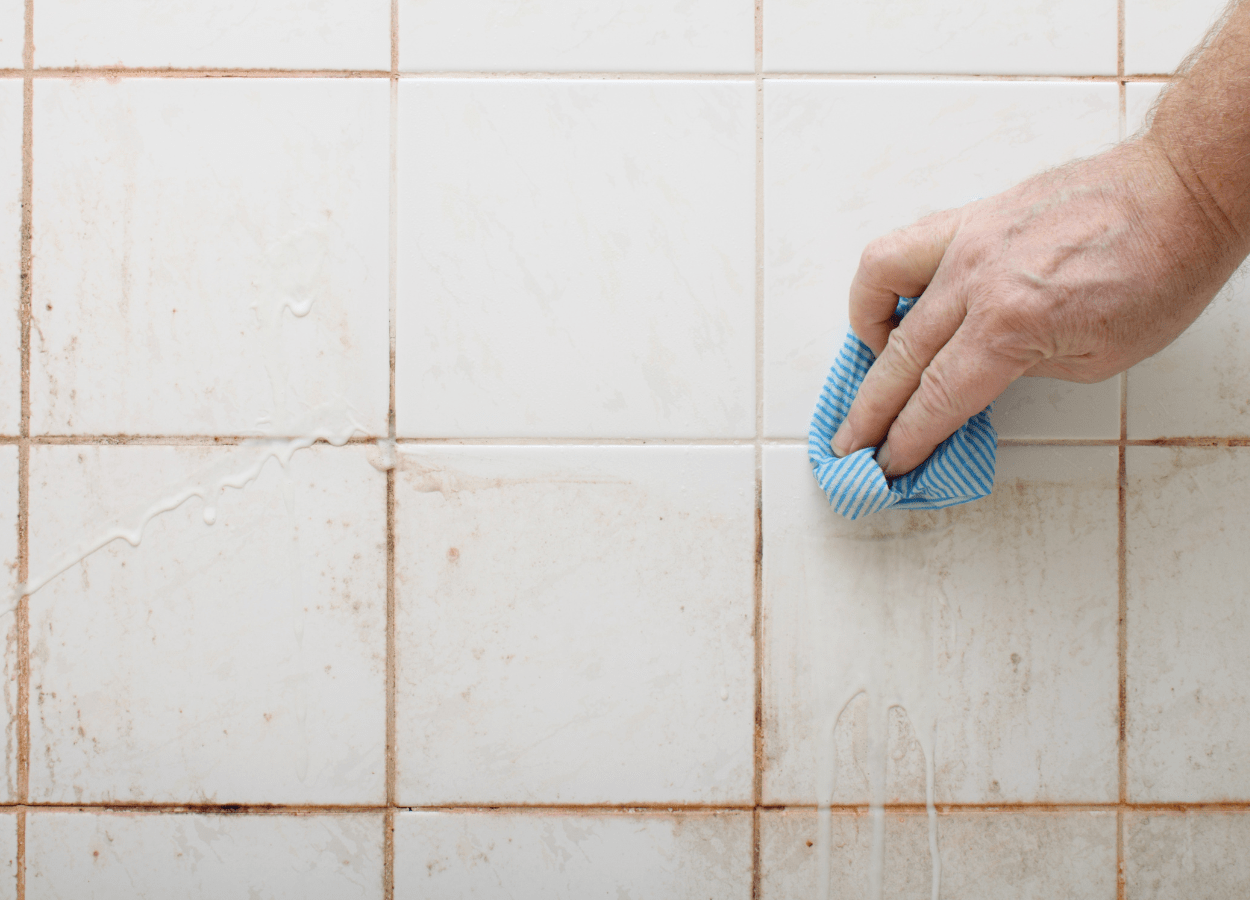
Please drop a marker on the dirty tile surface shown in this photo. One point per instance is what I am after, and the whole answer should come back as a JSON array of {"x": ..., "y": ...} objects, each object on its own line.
[
  {"x": 1188, "y": 679},
  {"x": 1198, "y": 855},
  {"x": 567, "y": 856},
  {"x": 574, "y": 625},
  {"x": 576, "y": 259},
  {"x": 998, "y": 617},
  {"x": 984, "y": 855},
  {"x": 267, "y": 628},
  {"x": 826, "y": 197},
  {"x": 277, "y": 34},
  {"x": 10, "y": 253},
  {"x": 203, "y": 857},
  {"x": 571, "y": 36},
  {"x": 1158, "y": 34},
  {"x": 1061, "y": 37},
  {"x": 267, "y": 196}
]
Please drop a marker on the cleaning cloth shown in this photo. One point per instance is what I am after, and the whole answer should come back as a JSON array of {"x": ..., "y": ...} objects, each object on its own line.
[{"x": 961, "y": 468}]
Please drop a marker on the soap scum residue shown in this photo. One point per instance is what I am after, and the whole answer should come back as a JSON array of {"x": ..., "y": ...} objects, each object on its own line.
[{"x": 882, "y": 645}]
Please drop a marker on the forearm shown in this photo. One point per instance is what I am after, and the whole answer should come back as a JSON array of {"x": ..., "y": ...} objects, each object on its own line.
[{"x": 1202, "y": 128}]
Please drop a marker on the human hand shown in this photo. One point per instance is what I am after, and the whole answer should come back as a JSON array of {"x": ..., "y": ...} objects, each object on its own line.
[{"x": 1076, "y": 274}]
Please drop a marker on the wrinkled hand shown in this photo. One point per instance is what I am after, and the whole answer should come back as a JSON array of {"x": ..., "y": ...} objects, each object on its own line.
[{"x": 1076, "y": 274}]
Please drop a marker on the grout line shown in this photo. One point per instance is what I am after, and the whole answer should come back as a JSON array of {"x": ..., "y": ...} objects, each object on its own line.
[
  {"x": 21, "y": 624},
  {"x": 388, "y": 823},
  {"x": 1119, "y": 38},
  {"x": 757, "y": 637},
  {"x": 1121, "y": 550}
]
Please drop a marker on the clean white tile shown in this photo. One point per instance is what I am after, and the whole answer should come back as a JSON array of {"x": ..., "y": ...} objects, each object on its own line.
[
  {"x": 10, "y": 253},
  {"x": 836, "y": 179},
  {"x": 149, "y": 856},
  {"x": 985, "y": 856},
  {"x": 8, "y": 857},
  {"x": 1188, "y": 627},
  {"x": 1000, "y": 615},
  {"x": 1200, "y": 384},
  {"x": 1158, "y": 34},
  {"x": 573, "y": 36},
  {"x": 1064, "y": 37},
  {"x": 178, "y": 226},
  {"x": 242, "y": 662},
  {"x": 12, "y": 33},
  {"x": 567, "y": 856},
  {"x": 276, "y": 34},
  {"x": 574, "y": 624},
  {"x": 1139, "y": 97},
  {"x": 576, "y": 259},
  {"x": 8, "y": 608},
  {"x": 1198, "y": 855}
]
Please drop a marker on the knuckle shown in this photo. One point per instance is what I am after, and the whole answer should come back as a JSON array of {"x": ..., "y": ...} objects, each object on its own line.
[
  {"x": 936, "y": 397},
  {"x": 901, "y": 354},
  {"x": 878, "y": 254}
]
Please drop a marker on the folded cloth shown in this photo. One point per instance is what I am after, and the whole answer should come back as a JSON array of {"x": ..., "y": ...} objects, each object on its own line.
[{"x": 961, "y": 468}]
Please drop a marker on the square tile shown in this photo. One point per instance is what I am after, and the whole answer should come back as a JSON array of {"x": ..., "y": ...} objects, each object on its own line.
[
  {"x": 210, "y": 256},
  {"x": 1199, "y": 385},
  {"x": 574, "y": 624},
  {"x": 1024, "y": 37},
  {"x": 571, "y": 36},
  {"x": 576, "y": 259},
  {"x": 238, "y": 662},
  {"x": 12, "y": 33},
  {"x": 828, "y": 196},
  {"x": 8, "y": 609},
  {"x": 570, "y": 856},
  {"x": 1196, "y": 855},
  {"x": 152, "y": 856},
  {"x": 276, "y": 34},
  {"x": 1188, "y": 673},
  {"x": 1158, "y": 34},
  {"x": 984, "y": 855},
  {"x": 997, "y": 618},
  {"x": 10, "y": 254}
]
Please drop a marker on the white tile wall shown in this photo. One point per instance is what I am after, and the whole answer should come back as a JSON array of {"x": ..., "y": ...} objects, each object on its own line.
[
  {"x": 575, "y": 624},
  {"x": 203, "y": 857},
  {"x": 571, "y": 36},
  {"x": 8, "y": 607},
  {"x": 977, "y": 603},
  {"x": 984, "y": 856},
  {"x": 242, "y": 662},
  {"x": 264, "y": 195},
  {"x": 1187, "y": 854},
  {"x": 567, "y": 856},
  {"x": 8, "y": 857},
  {"x": 576, "y": 259},
  {"x": 276, "y": 34},
  {"x": 10, "y": 253},
  {"x": 835, "y": 178},
  {"x": 1068, "y": 37},
  {"x": 1158, "y": 34},
  {"x": 12, "y": 33}
]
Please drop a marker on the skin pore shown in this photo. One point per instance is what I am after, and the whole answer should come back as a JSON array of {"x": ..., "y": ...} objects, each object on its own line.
[{"x": 1077, "y": 273}]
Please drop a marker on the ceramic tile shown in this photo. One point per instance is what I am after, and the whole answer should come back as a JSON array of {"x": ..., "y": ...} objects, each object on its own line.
[
  {"x": 1196, "y": 855},
  {"x": 10, "y": 253},
  {"x": 1188, "y": 675},
  {"x": 12, "y": 33},
  {"x": 574, "y": 624},
  {"x": 1061, "y": 37},
  {"x": 277, "y": 34},
  {"x": 8, "y": 606},
  {"x": 175, "y": 224},
  {"x": 242, "y": 662},
  {"x": 827, "y": 197},
  {"x": 1158, "y": 34},
  {"x": 984, "y": 856},
  {"x": 1200, "y": 384},
  {"x": 568, "y": 36},
  {"x": 576, "y": 259},
  {"x": 1139, "y": 97},
  {"x": 569, "y": 856},
  {"x": 8, "y": 857},
  {"x": 203, "y": 857},
  {"x": 998, "y": 618}
]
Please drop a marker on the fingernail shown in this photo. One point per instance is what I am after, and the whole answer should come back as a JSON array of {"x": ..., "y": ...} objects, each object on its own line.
[
  {"x": 842, "y": 440},
  {"x": 883, "y": 457}
]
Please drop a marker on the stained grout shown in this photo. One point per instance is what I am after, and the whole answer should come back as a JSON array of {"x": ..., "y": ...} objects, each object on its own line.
[
  {"x": 1121, "y": 886},
  {"x": 388, "y": 824},
  {"x": 758, "y": 761}
]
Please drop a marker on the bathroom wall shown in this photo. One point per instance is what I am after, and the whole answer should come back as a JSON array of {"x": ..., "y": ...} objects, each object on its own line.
[{"x": 403, "y": 412}]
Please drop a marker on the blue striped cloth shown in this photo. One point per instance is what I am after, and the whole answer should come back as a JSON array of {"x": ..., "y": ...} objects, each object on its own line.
[{"x": 961, "y": 469}]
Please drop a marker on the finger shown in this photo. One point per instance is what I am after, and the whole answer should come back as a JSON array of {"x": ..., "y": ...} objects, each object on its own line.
[
  {"x": 899, "y": 264},
  {"x": 964, "y": 378},
  {"x": 895, "y": 375}
]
